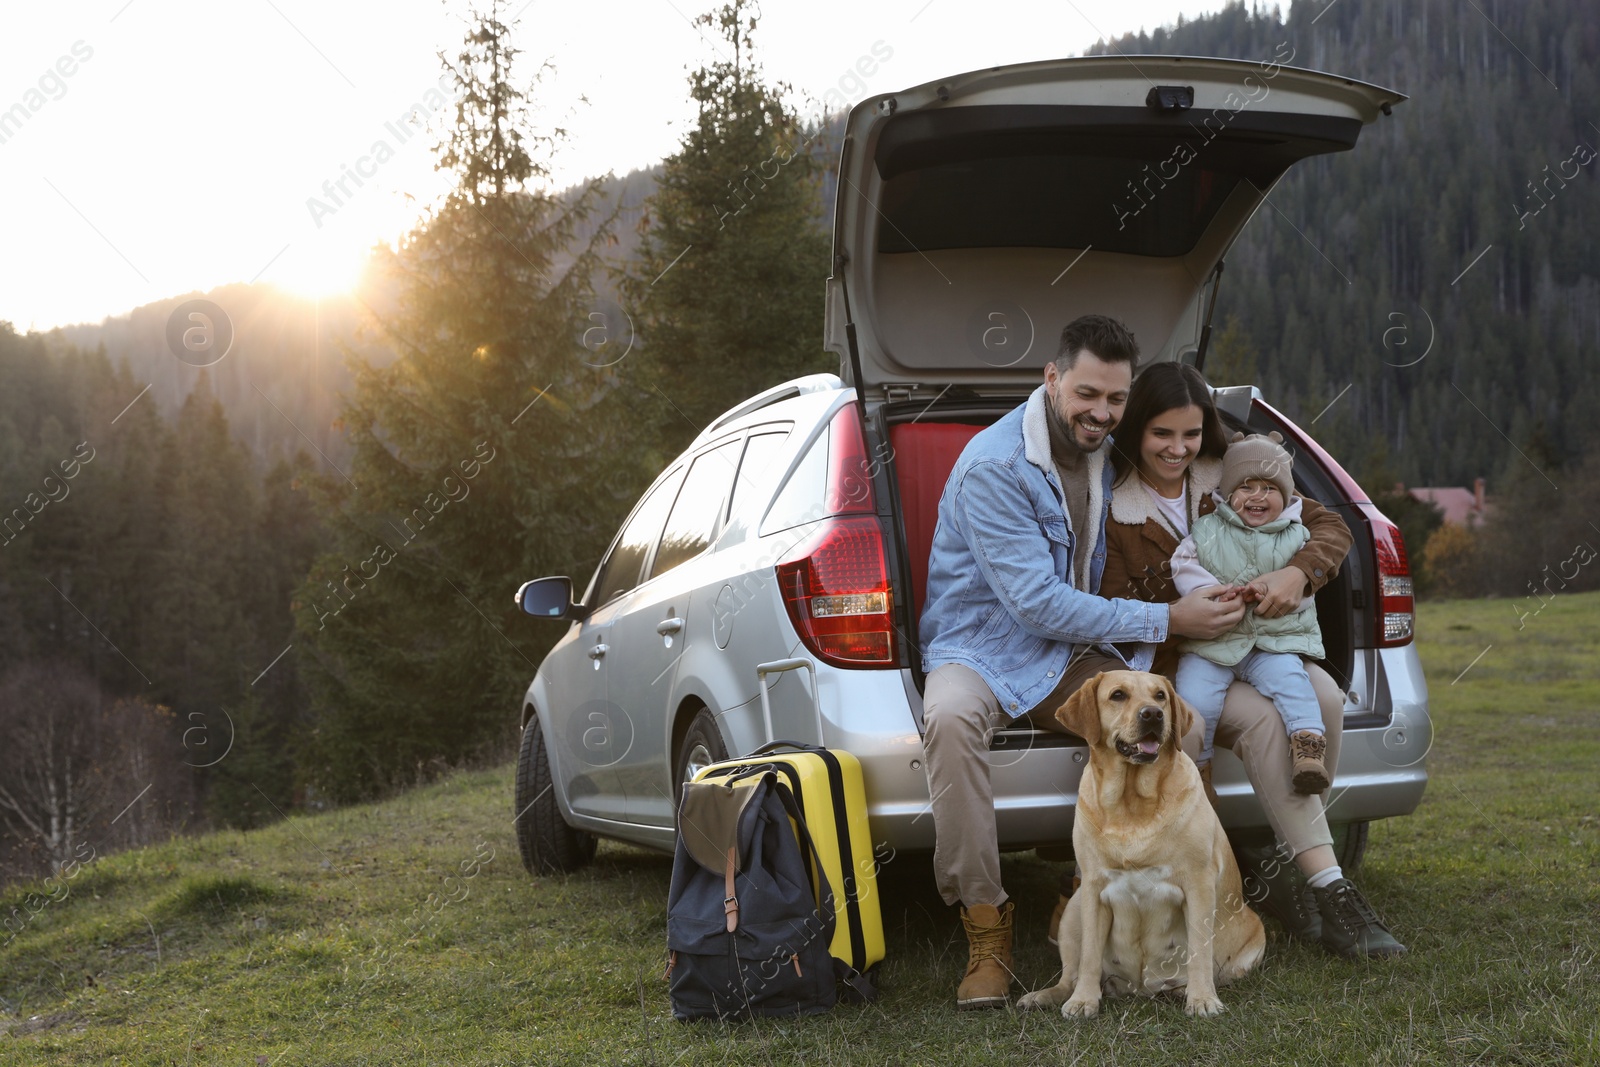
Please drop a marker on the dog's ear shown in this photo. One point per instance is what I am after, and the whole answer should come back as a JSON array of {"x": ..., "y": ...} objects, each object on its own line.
[
  {"x": 1182, "y": 715},
  {"x": 1081, "y": 712}
]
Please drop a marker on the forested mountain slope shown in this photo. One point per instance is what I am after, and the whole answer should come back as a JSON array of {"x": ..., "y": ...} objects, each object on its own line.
[{"x": 1461, "y": 227}]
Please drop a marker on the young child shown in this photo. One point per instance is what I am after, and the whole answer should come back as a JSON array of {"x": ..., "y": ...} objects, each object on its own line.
[{"x": 1254, "y": 530}]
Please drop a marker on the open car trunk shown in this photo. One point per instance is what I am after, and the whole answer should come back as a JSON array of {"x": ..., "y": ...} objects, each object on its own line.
[{"x": 978, "y": 215}]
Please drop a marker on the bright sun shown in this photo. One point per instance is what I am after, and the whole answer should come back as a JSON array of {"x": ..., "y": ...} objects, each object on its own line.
[{"x": 318, "y": 271}]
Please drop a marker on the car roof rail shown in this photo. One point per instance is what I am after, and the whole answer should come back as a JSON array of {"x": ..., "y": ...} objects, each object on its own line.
[{"x": 811, "y": 383}]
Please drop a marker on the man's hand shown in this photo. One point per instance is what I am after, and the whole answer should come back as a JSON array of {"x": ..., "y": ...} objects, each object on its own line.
[
  {"x": 1205, "y": 613},
  {"x": 1280, "y": 592}
]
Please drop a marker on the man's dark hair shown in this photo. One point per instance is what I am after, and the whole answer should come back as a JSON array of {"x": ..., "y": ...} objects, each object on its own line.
[
  {"x": 1161, "y": 388},
  {"x": 1105, "y": 337}
]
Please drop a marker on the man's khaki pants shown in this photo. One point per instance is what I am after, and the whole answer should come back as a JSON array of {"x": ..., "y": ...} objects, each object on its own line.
[{"x": 960, "y": 715}]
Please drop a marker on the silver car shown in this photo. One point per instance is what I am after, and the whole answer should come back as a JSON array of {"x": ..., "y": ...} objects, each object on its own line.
[{"x": 769, "y": 583}]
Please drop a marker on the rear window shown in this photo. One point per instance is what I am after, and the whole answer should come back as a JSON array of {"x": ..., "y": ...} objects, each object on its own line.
[
  {"x": 759, "y": 453},
  {"x": 800, "y": 501},
  {"x": 1122, "y": 179},
  {"x": 1143, "y": 206}
]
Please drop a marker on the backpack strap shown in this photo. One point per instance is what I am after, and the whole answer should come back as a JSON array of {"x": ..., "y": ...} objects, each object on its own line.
[
  {"x": 730, "y": 901},
  {"x": 824, "y": 892},
  {"x": 859, "y": 982}
]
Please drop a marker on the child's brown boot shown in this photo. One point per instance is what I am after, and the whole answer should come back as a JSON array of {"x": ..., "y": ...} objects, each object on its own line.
[{"x": 1310, "y": 773}]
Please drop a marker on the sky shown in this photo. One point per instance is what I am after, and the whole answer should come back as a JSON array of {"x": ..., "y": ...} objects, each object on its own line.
[{"x": 151, "y": 148}]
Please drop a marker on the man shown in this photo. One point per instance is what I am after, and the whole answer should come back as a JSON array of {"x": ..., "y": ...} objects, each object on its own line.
[{"x": 1011, "y": 625}]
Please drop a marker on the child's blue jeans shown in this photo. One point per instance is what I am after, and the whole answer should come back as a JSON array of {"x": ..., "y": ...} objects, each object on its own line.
[{"x": 1278, "y": 676}]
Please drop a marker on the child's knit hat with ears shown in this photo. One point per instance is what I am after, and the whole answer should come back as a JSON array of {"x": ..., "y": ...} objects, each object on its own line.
[{"x": 1257, "y": 456}]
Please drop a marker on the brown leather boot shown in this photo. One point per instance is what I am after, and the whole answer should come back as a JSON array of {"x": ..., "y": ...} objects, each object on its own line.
[
  {"x": 988, "y": 980},
  {"x": 1308, "y": 750}
]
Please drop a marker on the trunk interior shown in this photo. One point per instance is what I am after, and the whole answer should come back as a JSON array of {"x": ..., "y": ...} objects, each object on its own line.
[{"x": 927, "y": 438}]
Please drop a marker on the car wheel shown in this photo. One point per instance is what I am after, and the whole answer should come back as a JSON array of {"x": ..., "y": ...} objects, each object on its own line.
[
  {"x": 702, "y": 746},
  {"x": 1350, "y": 844},
  {"x": 548, "y": 845}
]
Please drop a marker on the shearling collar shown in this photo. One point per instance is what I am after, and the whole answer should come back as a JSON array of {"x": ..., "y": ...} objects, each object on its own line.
[
  {"x": 1135, "y": 508},
  {"x": 1036, "y": 433},
  {"x": 1036, "y": 450}
]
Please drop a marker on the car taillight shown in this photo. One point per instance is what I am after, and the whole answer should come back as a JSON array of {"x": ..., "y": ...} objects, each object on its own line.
[
  {"x": 835, "y": 584},
  {"x": 850, "y": 489},
  {"x": 836, "y": 589},
  {"x": 1396, "y": 609}
]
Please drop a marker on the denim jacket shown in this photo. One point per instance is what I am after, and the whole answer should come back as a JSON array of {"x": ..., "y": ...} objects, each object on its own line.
[{"x": 1001, "y": 596}]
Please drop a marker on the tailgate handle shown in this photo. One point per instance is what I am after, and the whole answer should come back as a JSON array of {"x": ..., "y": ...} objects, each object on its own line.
[
  {"x": 779, "y": 667},
  {"x": 1169, "y": 98}
]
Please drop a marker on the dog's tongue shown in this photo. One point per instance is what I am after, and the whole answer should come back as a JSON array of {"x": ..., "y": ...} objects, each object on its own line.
[{"x": 1149, "y": 746}]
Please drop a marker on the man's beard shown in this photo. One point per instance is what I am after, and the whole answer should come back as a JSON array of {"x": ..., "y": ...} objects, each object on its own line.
[{"x": 1063, "y": 435}]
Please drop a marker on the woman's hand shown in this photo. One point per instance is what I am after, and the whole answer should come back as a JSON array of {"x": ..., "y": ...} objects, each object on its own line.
[
  {"x": 1204, "y": 614},
  {"x": 1279, "y": 592}
]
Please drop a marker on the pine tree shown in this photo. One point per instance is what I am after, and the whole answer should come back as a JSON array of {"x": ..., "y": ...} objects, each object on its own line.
[
  {"x": 244, "y": 749},
  {"x": 204, "y": 637},
  {"x": 1232, "y": 359},
  {"x": 728, "y": 290},
  {"x": 484, "y": 455},
  {"x": 124, "y": 487}
]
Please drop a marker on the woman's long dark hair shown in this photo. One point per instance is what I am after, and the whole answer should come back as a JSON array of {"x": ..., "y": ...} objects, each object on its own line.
[{"x": 1159, "y": 389}]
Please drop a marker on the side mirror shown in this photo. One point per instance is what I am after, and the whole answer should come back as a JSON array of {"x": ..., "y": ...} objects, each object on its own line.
[{"x": 550, "y": 598}]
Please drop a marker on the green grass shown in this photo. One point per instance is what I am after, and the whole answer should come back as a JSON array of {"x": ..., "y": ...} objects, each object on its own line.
[{"x": 407, "y": 931}]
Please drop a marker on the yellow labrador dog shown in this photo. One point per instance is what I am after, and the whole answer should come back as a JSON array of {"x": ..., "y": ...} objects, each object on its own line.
[{"x": 1161, "y": 906}]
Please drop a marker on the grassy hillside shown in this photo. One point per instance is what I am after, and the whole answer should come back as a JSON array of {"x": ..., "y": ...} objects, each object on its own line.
[{"x": 407, "y": 932}]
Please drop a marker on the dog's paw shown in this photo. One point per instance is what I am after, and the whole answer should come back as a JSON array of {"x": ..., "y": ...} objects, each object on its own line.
[
  {"x": 1043, "y": 999},
  {"x": 1080, "y": 1008},
  {"x": 1204, "y": 1006}
]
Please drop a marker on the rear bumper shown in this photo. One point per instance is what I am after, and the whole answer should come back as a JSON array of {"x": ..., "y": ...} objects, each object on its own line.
[{"x": 1382, "y": 769}]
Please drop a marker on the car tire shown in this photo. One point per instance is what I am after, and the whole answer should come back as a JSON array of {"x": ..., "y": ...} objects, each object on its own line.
[
  {"x": 701, "y": 746},
  {"x": 548, "y": 845},
  {"x": 1350, "y": 845}
]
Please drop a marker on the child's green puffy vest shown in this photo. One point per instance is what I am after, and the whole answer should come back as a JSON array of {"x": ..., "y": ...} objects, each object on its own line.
[{"x": 1236, "y": 554}]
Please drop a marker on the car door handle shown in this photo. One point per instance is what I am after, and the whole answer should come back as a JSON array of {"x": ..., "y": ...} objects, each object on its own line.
[
  {"x": 669, "y": 626},
  {"x": 599, "y": 650}
]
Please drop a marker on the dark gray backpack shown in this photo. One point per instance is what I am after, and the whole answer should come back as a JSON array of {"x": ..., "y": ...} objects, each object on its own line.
[{"x": 745, "y": 935}]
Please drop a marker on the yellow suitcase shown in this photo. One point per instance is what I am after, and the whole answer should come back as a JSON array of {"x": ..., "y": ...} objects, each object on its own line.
[{"x": 827, "y": 784}]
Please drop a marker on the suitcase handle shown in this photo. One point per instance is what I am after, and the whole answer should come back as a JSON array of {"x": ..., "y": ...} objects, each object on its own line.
[{"x": 779, "y": 667}]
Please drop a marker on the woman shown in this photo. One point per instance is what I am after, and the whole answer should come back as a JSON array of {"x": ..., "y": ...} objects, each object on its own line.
[{"x": 1167, "y": 455}]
